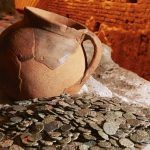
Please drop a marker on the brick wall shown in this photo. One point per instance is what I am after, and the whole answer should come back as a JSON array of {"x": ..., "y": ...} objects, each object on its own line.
[
  {"x": 112, "y": 12},
  {"x": 124, "y": 25}
]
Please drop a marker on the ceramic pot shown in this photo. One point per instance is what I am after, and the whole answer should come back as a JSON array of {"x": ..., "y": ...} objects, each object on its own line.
[{"x": 43, "y": 56}]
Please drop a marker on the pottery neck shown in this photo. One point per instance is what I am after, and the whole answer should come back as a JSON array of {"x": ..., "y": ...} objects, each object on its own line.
[{"x": 54, "y": 23}]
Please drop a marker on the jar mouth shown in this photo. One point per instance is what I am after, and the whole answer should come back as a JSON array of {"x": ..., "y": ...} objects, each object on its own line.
[{"x": 54, "y": 18}]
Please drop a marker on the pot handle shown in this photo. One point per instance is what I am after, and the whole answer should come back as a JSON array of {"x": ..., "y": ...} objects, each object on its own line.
[
  {"x": 93, "y": 64},
  {"x": 96, "y": 56}
]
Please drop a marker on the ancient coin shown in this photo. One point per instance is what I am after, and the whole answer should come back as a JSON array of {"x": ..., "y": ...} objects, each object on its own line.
[
  {"x": 16, "y": 119},
  {"x": 66, "y": 127},
  {"x": 89, "y": 137},
  {"x": 55, "y": 135},
  {"x": 95, "y": 148},
  {"x": 84, "y": 130},
  {"x": 93, "y": 125},
  {"x": 65, "y": 140},
  {"x": 1, "y": 136},
  {"x": 110, "y": 128},
  {"x": 126, "y": 142},
  {"x": 104, "y": 144},
  {"x": 52, "y": 126},
  {"x": 19, "y": 108},
  {"x": 37, "y": 127},
  {"x": 30, "y": 139},
  {"x": 133, "y": 122},
  {"x": 63, "y": 104},
  {"x": 46, "y": 143},
  {"x": 140, "y": 136},
  {"x": 48, "y": 148},
  {"x": 129, "y": 115},
  {"x": 6, "y": 143},
  {"x": 75, "y": 136},
  {"x": 15, "y": 147},
  {"x": 103, "y": 135},
  {"x": 49, "y": 119},
  {"x": 82, "y": 112},
  {"x": 69, "y": 101},
  {"x": 114, "y": 142},
  {"x": 24, "y": 102},
  {"x": 83, "y": 147}
]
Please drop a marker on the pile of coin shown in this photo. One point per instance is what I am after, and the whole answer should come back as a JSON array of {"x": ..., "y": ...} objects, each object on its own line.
[{"x": 81, "y": 122}]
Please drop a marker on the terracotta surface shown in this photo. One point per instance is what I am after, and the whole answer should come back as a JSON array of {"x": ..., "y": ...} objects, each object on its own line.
[{"x": 44, "y": 56}]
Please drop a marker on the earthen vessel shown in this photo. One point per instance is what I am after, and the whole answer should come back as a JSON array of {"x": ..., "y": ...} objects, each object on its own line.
[{"x": 43, "y": 56}]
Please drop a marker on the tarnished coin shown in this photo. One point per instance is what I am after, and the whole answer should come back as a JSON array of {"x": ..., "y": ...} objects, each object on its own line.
[
  {"x": 84, "y": 130},
  {"x": 65, "y": 140},
  {"x": 94, "y": 125},
  {"x": 79, "y": 103},
  {"x": 69, "y": 101},
  {"x": 82, "y": 112},
  {"x": 140, "y": 136},
  {"x": 16, "y": 119},
  {"x": 41, "y": 115},
  {"x": 30, "y": 139},
  {"x": 66, "y": 127},
  {"x": 104, "y": 144},
  {"x": 126, "y": 142},
  {"x": 1, "y": 136},
  {"x": 92, "y": 114},
  {"x": 110, "y": 128},
  {"x": 24, "y": 102},
  {"x": 6, "y": 143},
  {"x": 121, "y": 134},
  {"x": 103, "y": 135},
  {"x": 49, "y": 119},
  {"x": 83, "y": 147},
  {"x": 100, "y": 118},
  {"x": 63, "y": 104},
  {"x": 95, "y": 148},
  {"x": 46, "y": 143},
  {"x": 55, "y": 135},
  {"x": 70, "y": 146},
  {"x": 30, "y": 112},
  {"x": 15, "y": 147},
  {"x": 75, "y": 136},
  {"x": 48, "y": 148},
  {"x": 114, "y": 142},
  {"x": 112, "y": 115},
  {"x": 59, "y": 111},
  {"x": 19, "y": 108},
  {"x": 89, "y": 137},
  {"x": 37, "y": 127},
  {"x": 129, "y": 115},
  {"x": 52, "y": 126}
]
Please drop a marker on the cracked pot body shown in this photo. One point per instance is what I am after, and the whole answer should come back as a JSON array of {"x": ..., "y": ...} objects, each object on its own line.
[{"x": 43, "y": 56}]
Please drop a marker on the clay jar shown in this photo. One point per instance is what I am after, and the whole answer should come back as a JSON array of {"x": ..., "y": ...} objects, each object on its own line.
[{"x": 43, "y": 56}]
